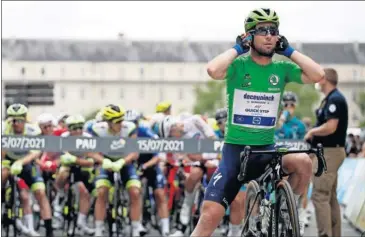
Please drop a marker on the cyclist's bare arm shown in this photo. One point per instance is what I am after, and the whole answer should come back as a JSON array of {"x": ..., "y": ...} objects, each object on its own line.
[
  {"x": 84, "y": 162},
  {"x": 31, "y": 157},
  {"x": 98, "y": 158},
  {"x": 217, "y": 67},
  {"x": 203, "y": 127},
  {"x": 312, "y": 71}
]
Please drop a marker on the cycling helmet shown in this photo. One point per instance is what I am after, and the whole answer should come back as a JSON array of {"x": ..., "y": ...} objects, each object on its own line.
[
  {"x": 62, "y": 117},
  {"x": 46, "y": 118},
  {"x": 164, "y": 127},
  {"x": 17, "y": 110},
  {"x": 113, "y": 113},
  {"x": 132, "y": 115},
  {"x": 260, "y": 15},
  {"x": 75, "y": 119},
  {"x": 221, "y": 114},
  {"x": 163, "y": 106},
  {"x": 290, "y": 97}
]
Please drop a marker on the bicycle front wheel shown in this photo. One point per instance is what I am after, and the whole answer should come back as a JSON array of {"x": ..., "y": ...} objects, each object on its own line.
[
  {"x": 287, "y": 220},
  {"x": 252, "y": 211}
]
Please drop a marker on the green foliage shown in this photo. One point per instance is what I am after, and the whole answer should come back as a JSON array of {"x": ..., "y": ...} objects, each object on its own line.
[
  {"x": 209, "y": 97},
  {"x": 307, "y": 97}
]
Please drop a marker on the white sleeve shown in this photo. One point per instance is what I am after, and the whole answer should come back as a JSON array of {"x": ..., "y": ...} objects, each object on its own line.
[{"x": 203, "y": 126}]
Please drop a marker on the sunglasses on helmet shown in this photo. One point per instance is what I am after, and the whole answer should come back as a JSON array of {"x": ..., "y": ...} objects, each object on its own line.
[{"x": 263, "y": 31}]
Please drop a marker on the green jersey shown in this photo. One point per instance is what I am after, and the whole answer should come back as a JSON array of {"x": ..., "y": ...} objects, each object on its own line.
[{"x": 253, "y": 98}]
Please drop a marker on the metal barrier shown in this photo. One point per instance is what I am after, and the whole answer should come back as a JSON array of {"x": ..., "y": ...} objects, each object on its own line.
[{"x": 115, "y": 144}]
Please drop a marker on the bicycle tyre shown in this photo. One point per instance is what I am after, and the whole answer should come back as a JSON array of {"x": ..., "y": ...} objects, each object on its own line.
[
  {"x": 283, "y": 190},
  {"x": 252, "y": 189},
  {"x": 71, "y": 216}
]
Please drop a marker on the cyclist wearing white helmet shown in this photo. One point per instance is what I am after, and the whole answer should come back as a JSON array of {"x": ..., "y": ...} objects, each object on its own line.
[
  {"x": 46, "y": 123},
  {"x": 193, "y": 127}
]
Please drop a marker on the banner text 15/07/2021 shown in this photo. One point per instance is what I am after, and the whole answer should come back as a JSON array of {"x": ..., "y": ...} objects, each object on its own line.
[{"x": 23, "y": 142}]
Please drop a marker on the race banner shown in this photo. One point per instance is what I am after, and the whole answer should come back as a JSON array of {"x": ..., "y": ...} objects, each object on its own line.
[{"x": 120, "y": 145}]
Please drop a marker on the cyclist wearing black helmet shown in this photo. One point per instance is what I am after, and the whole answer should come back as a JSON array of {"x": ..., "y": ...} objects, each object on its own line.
[{"x": 289, "y": 126}]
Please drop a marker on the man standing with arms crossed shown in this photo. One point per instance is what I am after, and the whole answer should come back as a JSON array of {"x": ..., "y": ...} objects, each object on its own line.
[
  {"x": 254, "y": 81},
  {"x": 330, "y": 130}
]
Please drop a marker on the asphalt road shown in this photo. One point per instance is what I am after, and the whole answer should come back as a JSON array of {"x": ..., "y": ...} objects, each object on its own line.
[{"x": 311, "y": 231}]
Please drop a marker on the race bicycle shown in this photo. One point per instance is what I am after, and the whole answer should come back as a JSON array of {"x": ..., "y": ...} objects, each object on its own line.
[
  {"x": 117, "y": 212},
  {"x": 270, "y": 207},
  {"x": 13, "y": 210}
]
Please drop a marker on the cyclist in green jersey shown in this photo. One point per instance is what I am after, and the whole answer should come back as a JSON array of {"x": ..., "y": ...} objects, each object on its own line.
[
  {"x": 22, "y": 163},
  {"x": 254, "y": 87}
]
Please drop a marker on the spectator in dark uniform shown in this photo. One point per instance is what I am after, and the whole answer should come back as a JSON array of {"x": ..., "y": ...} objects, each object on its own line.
[{"x": 330, "y": 130}]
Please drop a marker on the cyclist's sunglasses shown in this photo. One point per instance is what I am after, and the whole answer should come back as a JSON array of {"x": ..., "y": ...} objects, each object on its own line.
[
  {"x": 289, "y": 105},
  {"x": 75, "y": 127},
  {"x": 220, "y": 121},
  {"x": 46, "y": 126},
  {"x": 263, "y": 31},
  {"x": 18, "y": 120}
]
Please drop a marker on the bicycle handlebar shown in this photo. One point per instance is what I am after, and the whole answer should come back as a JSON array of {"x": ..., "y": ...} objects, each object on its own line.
[{"x": 281, "y": 151}]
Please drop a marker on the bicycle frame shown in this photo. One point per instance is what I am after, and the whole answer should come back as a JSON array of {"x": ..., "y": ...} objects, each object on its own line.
[
  {"x": 274, "y": 174},
  {"x": 13, "y": 210}
]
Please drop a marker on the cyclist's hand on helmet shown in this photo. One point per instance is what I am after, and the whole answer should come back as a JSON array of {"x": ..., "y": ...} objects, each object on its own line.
[
  {"x": 283, "y": 47},
  {"x": 16, "y": 168},
  {"x": 118, "y": 165},
  {"x": 68, "y": 159},
  {"x": 107, "y": 164},
  {"x": 243, "y": 43}
]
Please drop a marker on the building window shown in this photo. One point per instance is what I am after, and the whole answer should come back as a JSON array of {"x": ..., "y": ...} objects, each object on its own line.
[
  {"x": 102, "y": 93},
  {"x": 63, "y": 93},
  {"x": 162, "y": 73},
  {"x": 181, "y": 72},
  {"x": 141, "y": 72},
  {"x": 181, "y": 94},
  {"x": 141, "y": 92},
  {"x": 121, "y": 94},
  {"x": 121, "y": 73},
  {"x": 161, "y": 94},
  {"x": 82, "y": 93},
  {"x": 22, "y": 71}
]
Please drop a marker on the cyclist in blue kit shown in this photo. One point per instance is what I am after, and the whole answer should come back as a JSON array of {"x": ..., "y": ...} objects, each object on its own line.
[{"x": 148, "y": 164}]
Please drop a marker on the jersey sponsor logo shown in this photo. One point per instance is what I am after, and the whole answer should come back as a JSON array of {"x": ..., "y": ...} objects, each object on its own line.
[
  {"x": 216, "y": 178},
  {"x": 274, "y": 80},
  {"x": 246, "y": 84},
  {"x": 247, "y": 96}
]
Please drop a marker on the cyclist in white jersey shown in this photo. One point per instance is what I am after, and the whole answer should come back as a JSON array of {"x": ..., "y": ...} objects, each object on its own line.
[
  {"x": 118, "y": 162},
  {"x": 193, "y": 127}
]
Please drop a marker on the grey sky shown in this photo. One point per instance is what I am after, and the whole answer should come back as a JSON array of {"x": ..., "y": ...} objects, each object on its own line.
[{"x": 300, "y": 21}]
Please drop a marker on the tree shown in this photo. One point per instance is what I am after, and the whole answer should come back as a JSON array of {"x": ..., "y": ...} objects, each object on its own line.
[
  {"x": 209, "y": 97},
  {"x": 307, "y": 97}
]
